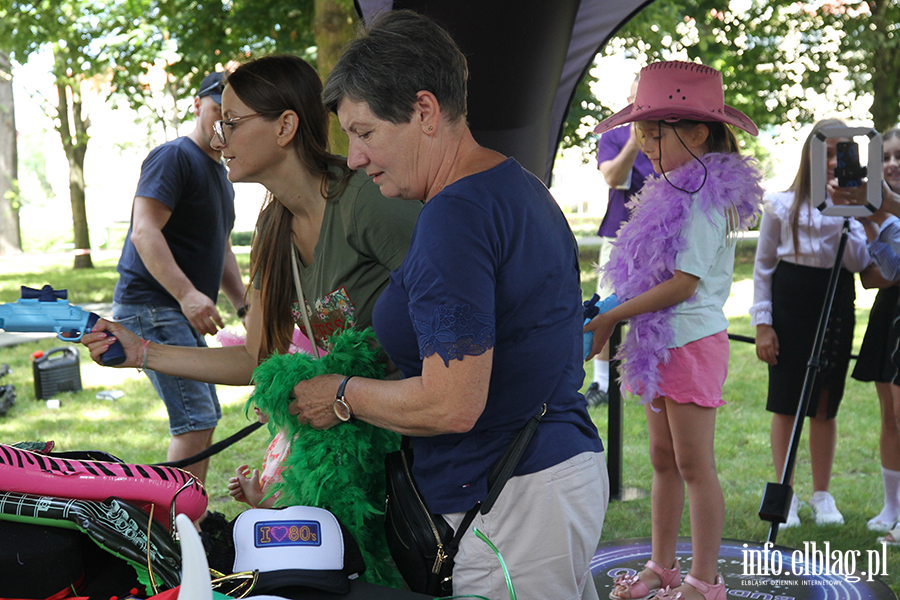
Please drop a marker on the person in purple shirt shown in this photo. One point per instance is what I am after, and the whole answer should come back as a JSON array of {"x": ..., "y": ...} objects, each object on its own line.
[{"x": 625, "y": 168}]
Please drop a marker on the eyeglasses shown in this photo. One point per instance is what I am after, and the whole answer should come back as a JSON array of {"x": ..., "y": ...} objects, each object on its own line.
[{"x": 219, "y": 126}]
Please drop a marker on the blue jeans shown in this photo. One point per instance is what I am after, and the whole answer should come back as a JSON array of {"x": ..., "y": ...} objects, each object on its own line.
[{"x": 192, "y": 405}]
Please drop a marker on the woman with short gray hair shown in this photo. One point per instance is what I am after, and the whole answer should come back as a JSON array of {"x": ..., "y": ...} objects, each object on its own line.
[{"x": 483, "y": 318}]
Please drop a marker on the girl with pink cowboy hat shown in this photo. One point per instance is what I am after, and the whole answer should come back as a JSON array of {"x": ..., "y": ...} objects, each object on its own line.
[{"x": 671, "y": 267}]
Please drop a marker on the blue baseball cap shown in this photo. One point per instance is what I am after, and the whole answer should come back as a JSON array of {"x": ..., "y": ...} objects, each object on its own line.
[{"x": 212, "y": 86}]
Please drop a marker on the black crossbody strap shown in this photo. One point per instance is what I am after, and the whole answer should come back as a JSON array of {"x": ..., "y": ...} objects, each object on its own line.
[
  {"x": 498, "y": 477},
  {"x": 504, "y": 468},
  {"x": 451, "y": 548}
]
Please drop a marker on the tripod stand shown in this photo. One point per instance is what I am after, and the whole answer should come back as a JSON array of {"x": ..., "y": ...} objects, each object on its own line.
[{"x": 776, "y": 499}]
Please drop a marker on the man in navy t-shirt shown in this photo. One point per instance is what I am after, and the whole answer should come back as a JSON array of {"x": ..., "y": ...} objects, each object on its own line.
[
  {"x": 625, "y": 168},
  {"x": 176, "y": 255}
]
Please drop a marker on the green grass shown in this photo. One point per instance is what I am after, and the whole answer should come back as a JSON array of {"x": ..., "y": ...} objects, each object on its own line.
[
  {"x": 84, "y": 285},
  {"x": 35, "y": 271},
  {"x": 135, "y": 428}
]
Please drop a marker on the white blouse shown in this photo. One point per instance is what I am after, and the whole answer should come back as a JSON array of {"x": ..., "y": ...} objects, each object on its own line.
[
  {"x": 885, "y": 249},
  {"x": 818, "y": 238}
]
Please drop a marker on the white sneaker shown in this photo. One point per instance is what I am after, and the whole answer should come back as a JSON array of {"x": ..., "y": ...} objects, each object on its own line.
[
  {"x": 881, "y": 523},
  {"x": 793, "y": 519},
  {"x": 824, "y": 509}
]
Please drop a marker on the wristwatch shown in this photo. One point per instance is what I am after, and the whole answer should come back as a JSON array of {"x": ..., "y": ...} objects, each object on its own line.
[{"x": 341, "y": 408}]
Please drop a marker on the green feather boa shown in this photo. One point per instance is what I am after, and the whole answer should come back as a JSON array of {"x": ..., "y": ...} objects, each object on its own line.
[{"x": 340, "y": 469}]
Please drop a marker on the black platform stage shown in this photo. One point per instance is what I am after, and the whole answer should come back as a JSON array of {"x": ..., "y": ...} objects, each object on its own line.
[{"x": 811, "y": 572}]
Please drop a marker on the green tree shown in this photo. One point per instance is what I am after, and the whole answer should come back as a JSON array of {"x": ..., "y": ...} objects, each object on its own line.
[
  {"x": 209, "y": 34},
  {"x": 870, "y": 51},
  {"x": 775, "y": 55},
  {"x": 334, "y": 26},
  {"x": 88, "y": 40},
  {"x": 205, "y": 36},
  {"x": 10, "y": 237},
  {"x": 107, "y": 47}
]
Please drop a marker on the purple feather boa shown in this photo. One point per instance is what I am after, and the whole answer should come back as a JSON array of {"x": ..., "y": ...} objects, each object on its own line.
[{"x": 645, "y": 248}]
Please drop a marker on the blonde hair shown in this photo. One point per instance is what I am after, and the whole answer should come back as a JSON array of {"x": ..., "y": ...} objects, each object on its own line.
[{"x": 802, "y": 187}]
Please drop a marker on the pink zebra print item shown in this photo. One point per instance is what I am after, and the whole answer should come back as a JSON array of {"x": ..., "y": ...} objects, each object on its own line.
[{"x": 31, "y": 473}]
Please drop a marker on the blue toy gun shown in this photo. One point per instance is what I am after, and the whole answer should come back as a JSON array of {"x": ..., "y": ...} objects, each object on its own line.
[
  {"x": 592, "y": 308},
  {"x": 48, "y": 310}
]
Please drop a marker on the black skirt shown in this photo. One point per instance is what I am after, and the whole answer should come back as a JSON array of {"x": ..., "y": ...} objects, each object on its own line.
[
  {"x": 874, "y": 362},
  {"x": 798, "y": 294}
]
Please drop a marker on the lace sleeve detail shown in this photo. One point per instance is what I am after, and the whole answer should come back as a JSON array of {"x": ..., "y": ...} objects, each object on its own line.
[{"x": 454, "y": 332}]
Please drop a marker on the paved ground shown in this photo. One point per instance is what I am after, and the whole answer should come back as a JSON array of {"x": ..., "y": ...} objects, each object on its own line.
[{"x": 592, "y": 241}]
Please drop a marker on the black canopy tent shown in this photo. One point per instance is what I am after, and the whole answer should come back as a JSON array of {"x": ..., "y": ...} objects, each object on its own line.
[{"x": 525, "y": 59}]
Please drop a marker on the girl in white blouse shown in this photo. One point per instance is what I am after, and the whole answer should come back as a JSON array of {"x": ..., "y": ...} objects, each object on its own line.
[{"x": 794, "y": 257}]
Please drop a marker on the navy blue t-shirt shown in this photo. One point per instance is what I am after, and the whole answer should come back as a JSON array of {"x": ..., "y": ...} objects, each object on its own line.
[
  {"x": 492, "y": 264},
  {"x": 183, "y": 177}
]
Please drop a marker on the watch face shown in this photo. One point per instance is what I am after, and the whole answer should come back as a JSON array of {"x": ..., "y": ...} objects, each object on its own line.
[{"x": 341, "y": 410}]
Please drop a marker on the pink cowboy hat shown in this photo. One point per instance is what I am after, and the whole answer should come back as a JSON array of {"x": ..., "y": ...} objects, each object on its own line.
[{"x": 674, "y": 90}]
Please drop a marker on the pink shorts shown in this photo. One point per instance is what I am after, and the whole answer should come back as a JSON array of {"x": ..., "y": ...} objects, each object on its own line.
[{"x": 696, "y": 372}]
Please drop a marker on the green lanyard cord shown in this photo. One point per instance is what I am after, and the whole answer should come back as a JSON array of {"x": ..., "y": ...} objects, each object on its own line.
[{"x": 509, "y": 585}]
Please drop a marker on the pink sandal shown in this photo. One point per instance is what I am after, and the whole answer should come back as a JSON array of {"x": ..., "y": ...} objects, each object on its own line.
[
  {"x": 638, "y": 590},
  {"x": 709, "y": 592}
]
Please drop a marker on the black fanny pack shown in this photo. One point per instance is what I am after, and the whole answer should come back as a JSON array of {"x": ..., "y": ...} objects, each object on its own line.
[{"x": 423, "y": 544}]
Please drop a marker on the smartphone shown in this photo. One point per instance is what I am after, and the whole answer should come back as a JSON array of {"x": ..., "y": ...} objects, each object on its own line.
[{"x": 848, "y": 171}]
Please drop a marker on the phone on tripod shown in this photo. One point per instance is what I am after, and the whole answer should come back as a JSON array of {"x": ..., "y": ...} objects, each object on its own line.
[
  {"x": 847, "y": 170},
  {"x": 849, "y": 173}
]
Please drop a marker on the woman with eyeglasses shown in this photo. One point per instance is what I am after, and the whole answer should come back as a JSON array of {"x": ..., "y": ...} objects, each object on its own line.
[{"x": 330, "y": 221}]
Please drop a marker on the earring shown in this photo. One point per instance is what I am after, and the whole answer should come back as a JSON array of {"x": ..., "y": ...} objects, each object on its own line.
[{"x": 430, "y": 128}]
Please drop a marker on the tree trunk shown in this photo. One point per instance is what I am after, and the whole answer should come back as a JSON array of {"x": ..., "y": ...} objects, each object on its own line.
[
  {"x": 10, "y": 234},
  {"x": 885, "y": 75},
  {"x": 75, "y": 147},
  {"x": 334, "y": 26}
]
